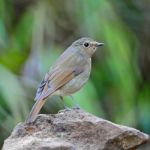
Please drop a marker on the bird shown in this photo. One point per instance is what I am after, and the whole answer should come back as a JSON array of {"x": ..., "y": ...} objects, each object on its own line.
[{"x": 67, "y": 75}]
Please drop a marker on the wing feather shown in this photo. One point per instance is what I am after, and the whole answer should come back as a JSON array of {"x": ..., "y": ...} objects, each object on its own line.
[{"x": 56, "y": 79}]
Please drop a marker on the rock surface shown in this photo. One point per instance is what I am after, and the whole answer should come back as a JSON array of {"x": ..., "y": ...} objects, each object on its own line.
[{"x": 73, "y": 130}]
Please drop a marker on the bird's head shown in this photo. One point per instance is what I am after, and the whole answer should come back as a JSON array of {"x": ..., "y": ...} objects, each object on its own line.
[{"x": 87, "y": 45}]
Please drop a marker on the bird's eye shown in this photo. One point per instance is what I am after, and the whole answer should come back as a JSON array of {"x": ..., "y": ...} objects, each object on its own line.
[{"x": 86, "y": 44}]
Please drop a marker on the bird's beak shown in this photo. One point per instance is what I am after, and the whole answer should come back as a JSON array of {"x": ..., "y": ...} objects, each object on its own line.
[{"x": 99, "y": 44}]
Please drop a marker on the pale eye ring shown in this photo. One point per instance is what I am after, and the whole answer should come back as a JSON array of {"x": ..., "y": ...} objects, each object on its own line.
[{"x": 86, "y": 44}]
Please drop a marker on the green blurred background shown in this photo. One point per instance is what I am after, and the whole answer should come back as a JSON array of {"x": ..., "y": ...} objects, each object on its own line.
[{"x": 33, "y": 33}]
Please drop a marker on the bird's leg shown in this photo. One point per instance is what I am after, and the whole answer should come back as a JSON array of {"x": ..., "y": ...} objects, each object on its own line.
[
  {"x": 66, "y": 108},
  {"x": 75, "y": 105}
]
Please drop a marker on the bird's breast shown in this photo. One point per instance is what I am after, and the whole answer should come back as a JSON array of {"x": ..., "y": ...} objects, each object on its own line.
[{"x": 77, "y": 82}]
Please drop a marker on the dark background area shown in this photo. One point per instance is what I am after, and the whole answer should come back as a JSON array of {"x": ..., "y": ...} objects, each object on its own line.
[{"x": 34, "y": 33}]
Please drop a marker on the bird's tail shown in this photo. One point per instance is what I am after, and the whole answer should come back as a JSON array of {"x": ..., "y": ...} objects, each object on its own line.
[{"x": 35, "y": 110}]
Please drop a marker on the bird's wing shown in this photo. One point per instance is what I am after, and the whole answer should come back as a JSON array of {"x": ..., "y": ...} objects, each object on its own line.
[{"x": 54, "y": 80}]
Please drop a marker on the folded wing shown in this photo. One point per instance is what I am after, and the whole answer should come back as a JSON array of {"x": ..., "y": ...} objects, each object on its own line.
[{"x": 54, "y": 80}]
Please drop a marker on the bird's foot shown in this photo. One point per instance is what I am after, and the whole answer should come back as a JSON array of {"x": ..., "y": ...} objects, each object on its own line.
[
  {"x": 76, "y": 107},
  {"x": 67, "y": 108}
]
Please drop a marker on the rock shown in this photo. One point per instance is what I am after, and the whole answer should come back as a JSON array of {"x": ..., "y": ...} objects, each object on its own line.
[
  {"x": 145, "y": 146},
  {"x": 73, "y": 130}
]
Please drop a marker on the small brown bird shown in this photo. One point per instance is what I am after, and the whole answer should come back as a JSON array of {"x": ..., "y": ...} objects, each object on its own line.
[{"x": 67, "y": 75}]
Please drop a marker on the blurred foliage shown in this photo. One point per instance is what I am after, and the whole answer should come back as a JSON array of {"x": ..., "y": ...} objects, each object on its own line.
[{"x": 34, "y": 33}]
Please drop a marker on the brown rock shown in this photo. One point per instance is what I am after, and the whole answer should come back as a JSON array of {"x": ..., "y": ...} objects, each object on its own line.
[{"x": 73, "y": 130}]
